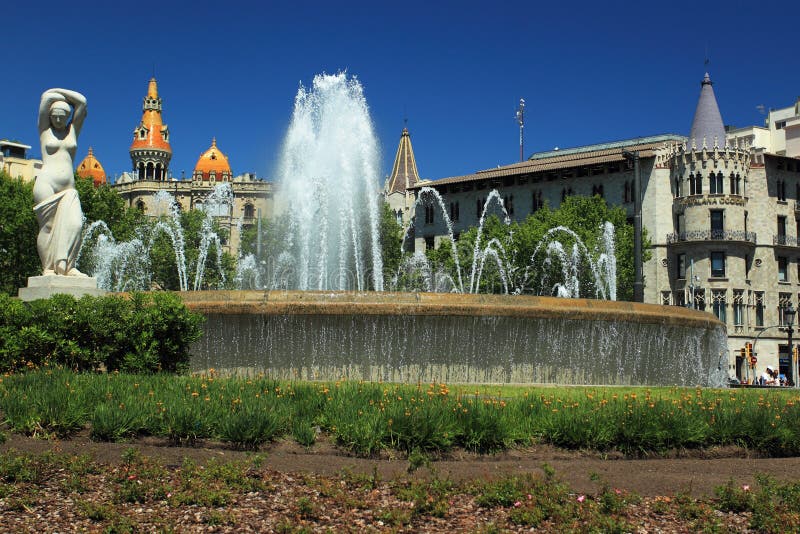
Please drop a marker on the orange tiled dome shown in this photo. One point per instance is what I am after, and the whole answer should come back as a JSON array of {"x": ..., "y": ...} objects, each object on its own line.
[
  {"x": 91, "y": 168},
  {"x": 212, "y": 165}
]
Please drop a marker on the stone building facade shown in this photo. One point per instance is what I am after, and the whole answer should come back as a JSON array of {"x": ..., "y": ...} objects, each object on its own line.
[
  {"x": 151, "y": 154},
  {"x": 722, "y": 210},
  {"x": 15, "y": 162}
]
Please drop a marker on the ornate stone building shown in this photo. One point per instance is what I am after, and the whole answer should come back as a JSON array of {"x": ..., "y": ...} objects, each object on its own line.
[
  {"x": 151, "y": 154},
  {"x": 722, "y": 213}
]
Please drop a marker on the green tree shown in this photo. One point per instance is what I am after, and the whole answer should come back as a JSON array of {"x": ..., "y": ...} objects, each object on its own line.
[
  {"x": 391, "y": 237},
  {"x": 273, "y": 242},
  {"x": 104, "y": 204},
  {"x": 19, "y": 258},
  {"x": 274, "y": 233},
  {"x": 523, "y": 267},
  {"x": 164, "y": 264}
]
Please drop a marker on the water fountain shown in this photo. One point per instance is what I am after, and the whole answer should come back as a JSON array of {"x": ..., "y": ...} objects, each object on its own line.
[
  {"x": 319, "y": 322},
  {"x": 550, "y": 253},
  {"x": 327, "y": 177},
  {"x": 311, "y": 329},
  {"x": 125, "y": 266}
]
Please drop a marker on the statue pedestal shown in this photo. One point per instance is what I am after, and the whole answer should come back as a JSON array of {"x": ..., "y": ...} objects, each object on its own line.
[{"x": 42, "y": 287}]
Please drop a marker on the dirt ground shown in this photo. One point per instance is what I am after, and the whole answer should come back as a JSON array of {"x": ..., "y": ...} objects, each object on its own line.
[{"x": 696, "y": 472}]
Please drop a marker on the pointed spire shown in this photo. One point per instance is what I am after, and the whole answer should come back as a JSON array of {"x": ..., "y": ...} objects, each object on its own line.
[
  {"x": 404, "y": 172},
  {"x": 152, "y": 88},
  {"x": 707, "y": 123},
  {"x": 150, "y": 150}
]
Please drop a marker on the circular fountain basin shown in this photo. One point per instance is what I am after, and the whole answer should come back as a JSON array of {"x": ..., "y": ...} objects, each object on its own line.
[{"x": 455, "y": 338}]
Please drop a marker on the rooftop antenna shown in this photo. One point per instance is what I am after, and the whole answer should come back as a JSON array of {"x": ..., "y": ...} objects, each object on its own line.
[{"x": 521, "y": 122}]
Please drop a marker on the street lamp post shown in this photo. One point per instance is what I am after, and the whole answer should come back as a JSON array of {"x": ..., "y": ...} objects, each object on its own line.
[
  {"x": 788, "y": 315},
  {"x": 638, "y": 280}
]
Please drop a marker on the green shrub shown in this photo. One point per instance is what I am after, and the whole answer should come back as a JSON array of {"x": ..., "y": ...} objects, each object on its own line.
[
  {"x": 421, "y": 423},
  {"x": 113, "y": 422},
  {"x": 483, "y": 427},
  {"x": 18, "y": 467},
  {"x": 146, "y": 333},
  {"x": 247, "y": 427},
  {"x": 183, "y": 423},
  {"x": 44, "y": 402}
]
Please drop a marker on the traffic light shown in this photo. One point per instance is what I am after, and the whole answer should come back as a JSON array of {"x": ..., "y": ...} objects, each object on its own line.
[
  {"x": 794, "y": 353},
  {"x": 751, "y": 358}
]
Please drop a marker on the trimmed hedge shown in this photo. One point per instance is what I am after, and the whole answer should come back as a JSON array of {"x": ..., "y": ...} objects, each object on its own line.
[{"x": 143, "y": 333}]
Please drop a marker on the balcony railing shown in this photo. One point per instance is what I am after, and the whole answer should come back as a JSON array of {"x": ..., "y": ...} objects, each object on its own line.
[
  {"x": 711, "y": 235},
  {"x": 784, "y": 240}
]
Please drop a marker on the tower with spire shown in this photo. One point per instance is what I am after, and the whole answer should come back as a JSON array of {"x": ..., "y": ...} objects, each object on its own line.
[
  {"x": 150, "y": 150},
  {"x": 713, "y": 241},
  {"x": 397, "y": 191}
]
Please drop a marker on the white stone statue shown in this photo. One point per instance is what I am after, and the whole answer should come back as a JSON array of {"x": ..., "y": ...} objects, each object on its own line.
[{"x": 57, "y": 206}]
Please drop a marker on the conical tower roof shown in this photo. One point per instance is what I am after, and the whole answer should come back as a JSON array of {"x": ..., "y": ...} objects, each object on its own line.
[
  {"x": 404, "y": 172},
  {"x": 707, "y": 124}
]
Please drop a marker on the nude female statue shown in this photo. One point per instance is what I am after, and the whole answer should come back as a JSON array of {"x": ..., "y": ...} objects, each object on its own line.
[{"x": 57, "y": 206}]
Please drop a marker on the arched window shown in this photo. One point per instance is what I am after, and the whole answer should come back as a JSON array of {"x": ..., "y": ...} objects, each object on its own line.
[
  {"x": 140, "y": 205},
  {"x": 249, "y": 211}
]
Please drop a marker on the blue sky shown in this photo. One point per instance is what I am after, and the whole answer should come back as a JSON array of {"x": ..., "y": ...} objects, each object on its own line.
[{"x": 589, "y": 71}]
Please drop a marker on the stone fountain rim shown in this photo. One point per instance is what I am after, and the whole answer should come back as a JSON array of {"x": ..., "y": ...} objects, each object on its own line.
[{"x": 290, "y": 302}]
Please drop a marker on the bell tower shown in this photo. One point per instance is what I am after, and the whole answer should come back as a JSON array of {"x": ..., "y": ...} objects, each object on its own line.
[{"x": 150, "y": 150}]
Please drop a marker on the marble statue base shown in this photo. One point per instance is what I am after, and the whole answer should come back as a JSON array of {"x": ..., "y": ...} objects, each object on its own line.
[{"x": 42, "y": 287}]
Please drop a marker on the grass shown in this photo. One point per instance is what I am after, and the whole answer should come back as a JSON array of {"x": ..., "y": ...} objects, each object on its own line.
[{"x": 421, "y": 419}]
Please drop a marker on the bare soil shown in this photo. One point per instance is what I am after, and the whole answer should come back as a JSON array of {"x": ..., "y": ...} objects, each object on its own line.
[
  {"x": 694, "y": 472},
  {"x": 319, "y": 489}
]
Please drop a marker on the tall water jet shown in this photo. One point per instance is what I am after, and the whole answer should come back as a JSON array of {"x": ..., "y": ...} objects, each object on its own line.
[{"x": 328, "y": 174}]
